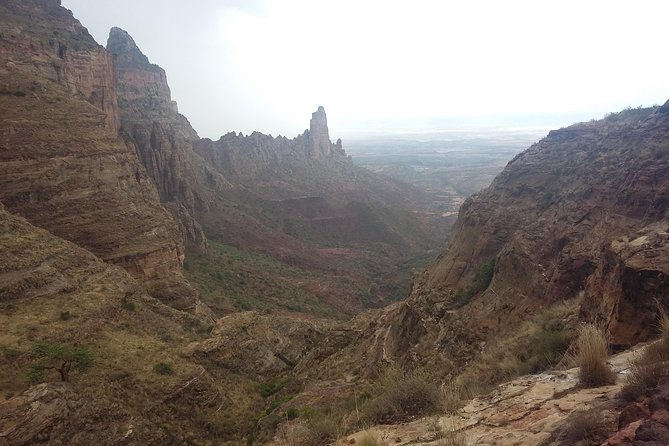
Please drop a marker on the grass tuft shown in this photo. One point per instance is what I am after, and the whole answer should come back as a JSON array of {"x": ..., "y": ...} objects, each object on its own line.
[
  {"x": 401, "y": 395},
  {"x": 369, "y": 438},
  {"x": 586, "y": 427},
  {"x": 592, "y": 352}
]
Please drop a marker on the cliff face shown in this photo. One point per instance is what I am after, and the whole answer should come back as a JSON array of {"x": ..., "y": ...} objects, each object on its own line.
[
  {"x": 300, "y": 201},
  {"x": 62, "y": 165},
  {"x": 161, "y": 137},
  {"x": 581, "y": 213}
]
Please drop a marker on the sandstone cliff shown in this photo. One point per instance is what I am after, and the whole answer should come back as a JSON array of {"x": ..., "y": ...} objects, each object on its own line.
[
  {"x": 161, "y": 137},
  {"x": 300, "y": 201},
  {"x": 582, "y": 212},
  {"x": 62, "y": 165}
]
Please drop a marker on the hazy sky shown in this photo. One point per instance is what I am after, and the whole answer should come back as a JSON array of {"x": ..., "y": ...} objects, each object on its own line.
[{"x": 265, "y": 65}]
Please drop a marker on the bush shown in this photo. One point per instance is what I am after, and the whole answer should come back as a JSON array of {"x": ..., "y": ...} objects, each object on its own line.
[
  {"x": 480, "y": 282},
  {"x": 323, "y": 430},
  {"x": 401, "y": 395},
  {"x": 60, "y": 357},
  {"x": 126, "y": 304},
  {"x": 646, "y": 371},
  {"x": 163, "y": 368},
  {"x": 592, "y": 352},
  {"x": 586, "y": 427},
  {"x": 270, "y": 388}
]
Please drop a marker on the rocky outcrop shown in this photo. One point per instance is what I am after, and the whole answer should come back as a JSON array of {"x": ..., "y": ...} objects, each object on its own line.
[
  {"x": 249, "y": 157},
  {"x": 62, "y": 165},
  {"x": 564, "y": 219},
  {"x": 545, "y": 409},
  {"x": 161, "y": 137}
]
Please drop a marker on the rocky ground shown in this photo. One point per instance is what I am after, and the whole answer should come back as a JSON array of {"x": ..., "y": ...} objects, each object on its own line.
[{"x": 529, "y": 410}]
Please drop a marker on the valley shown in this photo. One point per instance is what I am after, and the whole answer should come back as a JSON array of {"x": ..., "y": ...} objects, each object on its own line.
[
  {"x": 431, "y": 288},
  {"x": 450, "y": 164}
]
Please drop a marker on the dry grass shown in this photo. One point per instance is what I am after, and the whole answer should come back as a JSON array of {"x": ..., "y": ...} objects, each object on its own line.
[
  {"x": 646, "y": 371},
  {"x": 536, "y": 345},
  {"x": 452, "y": 396},
  {"x": 401, "y": 395},
  {"x": 586, "y": 427},
  {"x": 369, "y": 438},
  {"x": 592, "y": 352}
]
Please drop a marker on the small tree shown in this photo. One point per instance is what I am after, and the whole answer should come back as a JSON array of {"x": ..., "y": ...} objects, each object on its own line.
[{"x": 60, "y": 357}]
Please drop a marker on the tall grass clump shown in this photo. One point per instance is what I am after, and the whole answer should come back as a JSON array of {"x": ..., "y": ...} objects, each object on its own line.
[
  {"x": 369, "y": 438},
  {"x": 646, "y": 371},
  {"x": 400, "y": 395},
  {"x": 592, "y": 352}
]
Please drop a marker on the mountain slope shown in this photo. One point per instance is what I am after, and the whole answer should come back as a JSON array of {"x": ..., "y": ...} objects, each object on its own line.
[
  {"x": 575, "y": 228},
  {"x": 61, "y": 158},
  {"x": 350, "y": 238}
]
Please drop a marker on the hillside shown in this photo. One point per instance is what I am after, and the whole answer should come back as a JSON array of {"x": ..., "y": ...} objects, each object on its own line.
[
  {"x": 340, "y": 238},
  {"x": 60, "y": 155},
  {"x": 111, "y": 205}
]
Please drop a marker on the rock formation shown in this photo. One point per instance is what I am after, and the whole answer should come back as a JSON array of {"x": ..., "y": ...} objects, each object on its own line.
[
  {"x": 561, "y": 219},
  {"x": 278, "y": 196},
  {"x": 62, "y": 164},
  {"x": 161, "y": 137}
]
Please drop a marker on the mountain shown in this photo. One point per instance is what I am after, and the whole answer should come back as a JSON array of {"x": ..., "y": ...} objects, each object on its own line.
[
  {"x": 339, "y": 238},
  {"x": 60, "y": 154},
  {"x": 106, "y": 192},
  {"x": 574, "y": 229}
]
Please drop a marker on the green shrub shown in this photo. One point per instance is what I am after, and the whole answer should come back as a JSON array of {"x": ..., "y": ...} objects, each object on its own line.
[
  {"x": 59, "y": 357},
  {"x": 163, "y": 368},
  {"x": 270, "y": 388},
  {"x": 65, "y": 316},
  {"x": 126, "y": 304},
  {"x": 480, "y": 282}
]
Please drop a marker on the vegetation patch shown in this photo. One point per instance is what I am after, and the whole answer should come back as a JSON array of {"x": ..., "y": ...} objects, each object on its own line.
[
  {"x": 401, "y": 395},
  {"x": 646, "y": 371},
  {"x": 480, "y": 282},
  {"x": 62, "y": 358},
  {"x": 163, "y": 368},
  {"x": 592, "y": 352},
  {"x": 586, "y": 427},
  {"x": 537, "y": 345}
]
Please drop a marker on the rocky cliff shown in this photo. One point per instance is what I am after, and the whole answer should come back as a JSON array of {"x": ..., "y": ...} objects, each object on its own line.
[
  {"x": 578, "y": 220},
  {"x": 582, "y": 212},
  {"x": 62, "y": 165},
  {"x": 161, "y": 137},
  {"x": 301, "y": 201}
]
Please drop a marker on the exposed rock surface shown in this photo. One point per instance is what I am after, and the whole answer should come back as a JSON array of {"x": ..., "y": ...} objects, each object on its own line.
[
  {"x": 562, "y": 219},
  {"x": 62, "y": 165},
  {"x": 162, "y": 137},
  {"x": 527, "y": 411},
  {"x": 299, "y": 200}
]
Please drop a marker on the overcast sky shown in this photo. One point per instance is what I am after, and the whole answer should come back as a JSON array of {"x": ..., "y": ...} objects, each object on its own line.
[{"x": 265, "y": 65}]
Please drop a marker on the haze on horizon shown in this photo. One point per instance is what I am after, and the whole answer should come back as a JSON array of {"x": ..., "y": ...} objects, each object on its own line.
[{"x": 245, "y": 65}]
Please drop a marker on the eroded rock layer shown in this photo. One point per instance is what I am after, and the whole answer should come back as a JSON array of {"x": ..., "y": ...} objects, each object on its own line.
[{"x": 62, "y": 165}]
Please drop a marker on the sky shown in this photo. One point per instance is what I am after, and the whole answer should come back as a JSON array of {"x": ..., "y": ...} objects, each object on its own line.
[{"x": 266, "y": 65}]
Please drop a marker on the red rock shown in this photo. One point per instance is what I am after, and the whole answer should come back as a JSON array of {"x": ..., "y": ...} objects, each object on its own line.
[
  {"x": 624, "y": 436},
  {"x": 632, "y": 413}
]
